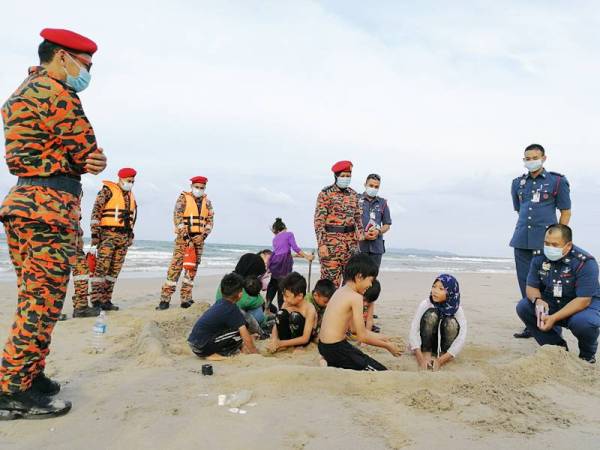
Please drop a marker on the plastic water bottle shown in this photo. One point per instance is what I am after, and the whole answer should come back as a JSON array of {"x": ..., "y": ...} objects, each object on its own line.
[{"x": 99, "y": 337}]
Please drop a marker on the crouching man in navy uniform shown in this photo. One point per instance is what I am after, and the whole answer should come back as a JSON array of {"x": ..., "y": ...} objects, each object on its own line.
[{"x": 563, "y": 283}]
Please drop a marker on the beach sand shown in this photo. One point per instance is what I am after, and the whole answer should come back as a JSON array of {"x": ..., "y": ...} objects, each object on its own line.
[{"x": 147, "y": 391}]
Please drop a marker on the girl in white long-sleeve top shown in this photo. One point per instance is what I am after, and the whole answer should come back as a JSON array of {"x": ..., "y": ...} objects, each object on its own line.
[{"x": 439, "y": 327}]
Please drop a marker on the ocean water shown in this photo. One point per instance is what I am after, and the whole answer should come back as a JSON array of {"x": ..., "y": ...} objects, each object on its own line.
[{"x": 152, "y": 258}]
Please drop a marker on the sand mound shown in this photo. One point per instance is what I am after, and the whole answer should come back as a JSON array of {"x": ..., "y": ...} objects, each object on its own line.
[
  {"x": 149, "y": 348},
  {"x": 157, "y": 342},
  {"x": 508, "y": 397},
  {"x": 426, "y": 400}
]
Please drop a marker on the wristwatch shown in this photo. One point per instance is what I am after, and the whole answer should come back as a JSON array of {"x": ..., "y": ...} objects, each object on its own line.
[{"x": 536, "y": 299}]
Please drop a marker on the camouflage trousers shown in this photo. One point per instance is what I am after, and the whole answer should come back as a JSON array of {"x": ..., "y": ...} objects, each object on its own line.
[
  {"x": 175, "y": 269},
  {"x": 42, "y": 255},
  {"x": 341, "y": 247},
  {"x": 81, "y": 276},
  {"x": 110, "y": 257}
]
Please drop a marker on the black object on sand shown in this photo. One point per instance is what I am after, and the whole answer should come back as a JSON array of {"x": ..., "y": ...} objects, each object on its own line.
[{"x": 207, "y": 369}]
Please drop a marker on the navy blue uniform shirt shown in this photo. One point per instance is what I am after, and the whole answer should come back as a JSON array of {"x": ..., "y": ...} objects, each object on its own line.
[
  {"x": 375, "y": 210},
  {"x": 536, "y": 200},
  {"x": 575, "y": 275}
]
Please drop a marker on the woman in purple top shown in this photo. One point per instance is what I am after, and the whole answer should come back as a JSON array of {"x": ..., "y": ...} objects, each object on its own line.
[{"x": 282, "y": 261}]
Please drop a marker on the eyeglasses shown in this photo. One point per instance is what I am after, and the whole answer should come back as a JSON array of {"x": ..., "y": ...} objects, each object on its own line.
[
  {"x": 87, "y": 62},
  {"x": 374, "y": 176}
]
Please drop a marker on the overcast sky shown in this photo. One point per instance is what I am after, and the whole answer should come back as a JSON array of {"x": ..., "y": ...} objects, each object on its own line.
[{"x": 440, "y": 98}]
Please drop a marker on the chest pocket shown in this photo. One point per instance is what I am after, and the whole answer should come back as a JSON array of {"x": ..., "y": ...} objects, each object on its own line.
[
  {"x": 568, "y": 284},
  {"x": 546, "y": 193}
]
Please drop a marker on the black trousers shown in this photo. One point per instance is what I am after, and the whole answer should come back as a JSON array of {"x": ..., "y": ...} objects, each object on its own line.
[
  {"x": 274, "y": 290},
  {"x": 448, "y": 328},
  {"x": 225, "y": 343}
]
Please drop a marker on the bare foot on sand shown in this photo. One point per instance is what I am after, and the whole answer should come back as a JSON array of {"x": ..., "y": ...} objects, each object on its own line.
[
  {"x": 322, "y": 362},
  {"x": 216, "y": 357}
]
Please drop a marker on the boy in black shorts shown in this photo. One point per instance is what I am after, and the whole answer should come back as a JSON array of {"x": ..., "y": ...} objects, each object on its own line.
[
  {"x": 296, "y": 321},
  {"x": 221, "y": 331},
  {"x": 346, "y": 306}
]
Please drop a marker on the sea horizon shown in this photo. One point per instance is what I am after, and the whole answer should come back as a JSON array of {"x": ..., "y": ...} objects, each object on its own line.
[{"x": 151, "y": 258}]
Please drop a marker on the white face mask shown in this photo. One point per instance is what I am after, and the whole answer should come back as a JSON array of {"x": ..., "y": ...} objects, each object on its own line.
[
  {"x": 533, "y": 165},
  {"x": 197, "y": 192},
  {"x": 126, "y": 186}
]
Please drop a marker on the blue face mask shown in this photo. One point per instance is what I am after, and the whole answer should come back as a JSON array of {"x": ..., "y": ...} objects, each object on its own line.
[
  {"x": 372, "y": 192},
  {"x": 343, "y": 182},
  {"x": 534, "y": 164},
  {"x": 81, "y": 81},
  {"x": 553, "y": 253}
]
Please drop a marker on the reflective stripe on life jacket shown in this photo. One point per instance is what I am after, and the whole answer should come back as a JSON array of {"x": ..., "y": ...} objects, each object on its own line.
[
  {"x": 194, "y": 219},
  {"x": 115, "y": 212}
]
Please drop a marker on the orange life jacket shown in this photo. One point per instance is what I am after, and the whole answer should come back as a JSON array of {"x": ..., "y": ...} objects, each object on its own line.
[
  {"x": 115, "y": 212},
  {"x": 194, "y": 219}
]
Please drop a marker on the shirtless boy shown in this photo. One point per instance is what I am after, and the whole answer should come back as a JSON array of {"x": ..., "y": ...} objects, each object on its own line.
[{"x": 346, "y": 306}]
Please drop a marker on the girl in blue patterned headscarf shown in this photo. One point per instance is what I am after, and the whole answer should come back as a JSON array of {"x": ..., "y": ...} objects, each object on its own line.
[
  {"x": 439, "y": 327},
  {"x": 448, "y": 306}
]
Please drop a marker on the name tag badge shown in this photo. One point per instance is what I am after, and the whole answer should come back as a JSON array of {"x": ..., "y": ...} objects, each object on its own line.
[
  {"x": 557, "y": 290},
  {"x": 536, "y": 197}
]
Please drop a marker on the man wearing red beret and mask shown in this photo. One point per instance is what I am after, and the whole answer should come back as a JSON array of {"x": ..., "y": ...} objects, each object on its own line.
[
  {"x": 193, "y": 220},
  {"x": 113, "y": 219},
  {"x": 338, "y": 223},
  {"x": 49, "y": 144}
]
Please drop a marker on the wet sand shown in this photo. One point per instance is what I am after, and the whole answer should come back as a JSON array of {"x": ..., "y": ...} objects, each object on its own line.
[{"x": 146, "y": 390}]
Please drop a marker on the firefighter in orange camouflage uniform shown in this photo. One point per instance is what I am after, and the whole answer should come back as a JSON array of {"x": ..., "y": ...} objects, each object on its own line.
[
  {"x": 113, "y": 218},
  {"x": 338, "y": 223},
  {"x": 49, "y": 145},
  {"x": 81, "y": 278},
  {"x": 193, "y": 219}
]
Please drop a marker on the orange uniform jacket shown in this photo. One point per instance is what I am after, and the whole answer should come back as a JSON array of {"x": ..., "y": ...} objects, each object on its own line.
[{"x": 47, "y": 133}]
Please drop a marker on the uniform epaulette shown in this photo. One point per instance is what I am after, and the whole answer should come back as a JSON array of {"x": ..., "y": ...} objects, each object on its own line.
[
  {"x": 557, "y": 174},
  {"x": 328, "y": 188},
  {"x": 581, "y": 256},
  {"x": 520, "y": 177}
]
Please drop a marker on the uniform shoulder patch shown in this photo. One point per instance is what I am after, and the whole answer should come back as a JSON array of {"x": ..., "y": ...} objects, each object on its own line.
[{"x": 328, "y": 188}]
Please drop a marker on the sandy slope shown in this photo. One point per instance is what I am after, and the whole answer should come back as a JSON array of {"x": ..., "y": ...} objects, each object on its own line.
[{"x": 146, "y": 391}]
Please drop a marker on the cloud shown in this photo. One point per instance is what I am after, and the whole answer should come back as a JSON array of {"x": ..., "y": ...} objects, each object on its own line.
[
  {"x": 440, "y": 99},
  {"x": 263, "y": 195}
]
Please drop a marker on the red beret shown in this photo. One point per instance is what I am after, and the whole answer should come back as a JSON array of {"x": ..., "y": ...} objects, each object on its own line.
[
  {"x": 202, "y": 180},
  {"x": 70, "y": 40},
  {"x": 127, "y": 172},
  {"x": 341, "y": 166}
]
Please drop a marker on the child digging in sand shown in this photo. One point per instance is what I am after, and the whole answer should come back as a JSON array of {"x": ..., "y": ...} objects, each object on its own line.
[
  {"x": 296, "y": 320},
  {"x": 319, "y": 298},
  {"x": 347, "y": 305},
  {"x": 369, "y": 298},
  {"x": 439, "y": 327},
  {"x": 221, "y": 331}
]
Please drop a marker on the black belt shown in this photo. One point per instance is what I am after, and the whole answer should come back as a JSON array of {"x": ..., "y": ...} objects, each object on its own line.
[
  {"x": 63, "y": 183},
  {"x": 122, "y": 230},
  {"x": 340, "y": 229}
]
